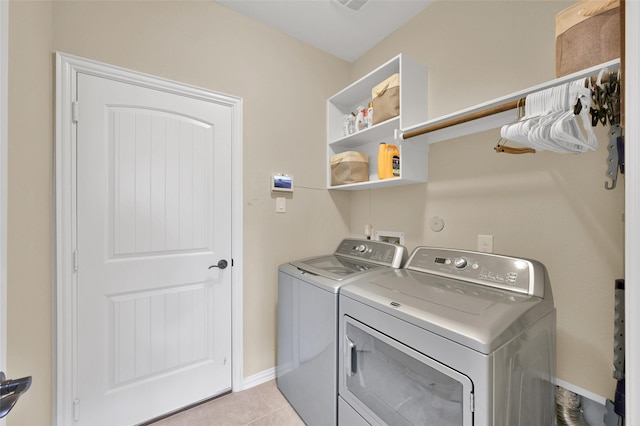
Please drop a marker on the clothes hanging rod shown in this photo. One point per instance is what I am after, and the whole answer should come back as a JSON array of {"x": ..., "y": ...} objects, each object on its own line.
[
  {"x": 465, "y": 118},
  {"x": 507, "y": 106}
]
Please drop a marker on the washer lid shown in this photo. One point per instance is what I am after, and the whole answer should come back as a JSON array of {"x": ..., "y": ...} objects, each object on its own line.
[{"x": 335, "y": 267}]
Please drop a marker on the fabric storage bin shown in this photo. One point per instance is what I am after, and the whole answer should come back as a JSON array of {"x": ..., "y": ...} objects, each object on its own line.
[
  {"x": 349, "y": 167},
  {"x": 587, "y": 34},
  {"x": 386, "y": 99}
]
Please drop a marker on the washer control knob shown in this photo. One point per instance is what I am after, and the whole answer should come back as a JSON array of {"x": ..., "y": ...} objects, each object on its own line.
[
  {"x": 460, "y": 262},
  {"x": 361, "y": 248}
]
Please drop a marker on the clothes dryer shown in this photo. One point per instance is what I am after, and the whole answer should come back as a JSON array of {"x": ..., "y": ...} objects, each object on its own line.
[{"x": 456, "y": 338}]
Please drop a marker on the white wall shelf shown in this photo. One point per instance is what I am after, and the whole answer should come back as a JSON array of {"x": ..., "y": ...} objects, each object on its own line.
[{"x": 413, "y": 101}]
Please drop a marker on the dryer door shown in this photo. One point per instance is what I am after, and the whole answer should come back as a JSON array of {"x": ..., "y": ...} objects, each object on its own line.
[{"x": 387, "y": 382}]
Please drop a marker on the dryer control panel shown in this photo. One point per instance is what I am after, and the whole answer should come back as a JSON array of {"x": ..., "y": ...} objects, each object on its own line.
[{"x": 493, "y": 270}]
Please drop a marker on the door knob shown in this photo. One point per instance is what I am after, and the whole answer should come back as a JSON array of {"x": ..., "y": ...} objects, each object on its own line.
[{"x": 221, "y": 264}]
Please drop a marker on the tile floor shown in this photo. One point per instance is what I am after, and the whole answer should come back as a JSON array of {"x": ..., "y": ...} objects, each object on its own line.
[{"x": 262, "y": 405}]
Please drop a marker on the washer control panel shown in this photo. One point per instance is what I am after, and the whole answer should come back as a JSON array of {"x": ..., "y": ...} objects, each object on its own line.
[
  {"x": 508, "y": 273},
  {"x": 387, "y": 254}
]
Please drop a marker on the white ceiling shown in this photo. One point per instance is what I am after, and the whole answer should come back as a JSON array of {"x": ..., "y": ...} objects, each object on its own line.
[{"x": 330, "y": 25}]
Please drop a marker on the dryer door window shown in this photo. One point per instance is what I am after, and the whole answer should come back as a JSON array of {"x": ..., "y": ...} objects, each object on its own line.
[{"x": 400, "y": 386}]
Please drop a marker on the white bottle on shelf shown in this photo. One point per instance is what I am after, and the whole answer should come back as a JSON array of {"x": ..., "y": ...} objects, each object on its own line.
[{"x": 370, "y": 115}]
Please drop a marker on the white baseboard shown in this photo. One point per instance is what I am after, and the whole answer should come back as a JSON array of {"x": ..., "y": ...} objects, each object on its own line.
[{"x": 258, "y": 379}]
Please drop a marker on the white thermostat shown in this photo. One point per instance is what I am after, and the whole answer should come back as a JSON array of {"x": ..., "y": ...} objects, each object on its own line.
[{"x": 281, "y": 183}]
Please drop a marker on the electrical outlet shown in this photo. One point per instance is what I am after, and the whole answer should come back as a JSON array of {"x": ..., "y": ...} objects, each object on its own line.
[{"x": 485, "y": 243}]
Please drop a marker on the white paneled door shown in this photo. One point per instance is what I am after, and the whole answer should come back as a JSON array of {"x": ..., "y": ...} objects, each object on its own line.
[{"x": 153, "y": 319}]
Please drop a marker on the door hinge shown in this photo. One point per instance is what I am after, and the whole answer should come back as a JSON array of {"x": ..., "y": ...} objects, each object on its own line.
[
  {"x": 75, "y": 260},
  {"x": 473, "y": 402},
  {"x": 76, "y": 410},
  {"x": 74, "y": 111}
]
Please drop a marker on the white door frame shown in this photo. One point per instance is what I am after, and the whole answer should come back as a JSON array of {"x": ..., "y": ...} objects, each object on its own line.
[{"x": 67, "y": 67}]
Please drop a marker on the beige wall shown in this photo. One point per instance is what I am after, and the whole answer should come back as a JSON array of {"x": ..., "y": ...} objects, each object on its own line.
[
  {"x": 549, "y": 207},
  {"x": 30, "y": 209},
  {"x": 546, "y": 206}
]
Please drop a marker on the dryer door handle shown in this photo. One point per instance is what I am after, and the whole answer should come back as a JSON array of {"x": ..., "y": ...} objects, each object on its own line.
[{"x": 352, "y": 357}]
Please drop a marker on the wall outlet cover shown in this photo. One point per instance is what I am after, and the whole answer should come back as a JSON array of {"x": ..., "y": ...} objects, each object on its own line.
[{"x": 485, "y": 243}]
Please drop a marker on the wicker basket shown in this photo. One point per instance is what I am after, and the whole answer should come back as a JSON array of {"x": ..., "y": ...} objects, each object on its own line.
[
  {"x": 587, "y": 34},
  {"x": 386, "y": 99},
  {"x": 349, "y": 167}
]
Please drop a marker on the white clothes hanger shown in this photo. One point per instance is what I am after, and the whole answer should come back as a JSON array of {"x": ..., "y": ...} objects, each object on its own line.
[
  {"x": 549, "y": 121},
  {"x": 565, "y": 131}
]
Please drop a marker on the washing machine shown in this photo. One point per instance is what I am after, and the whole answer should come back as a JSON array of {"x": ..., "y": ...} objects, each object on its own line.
[
  {"x": 455, "y": 338},
  {"x": 308, "y": 289}
]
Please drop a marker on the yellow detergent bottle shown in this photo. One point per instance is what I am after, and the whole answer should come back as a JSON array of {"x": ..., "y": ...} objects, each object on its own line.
[{"x": 388, "y": 161}]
